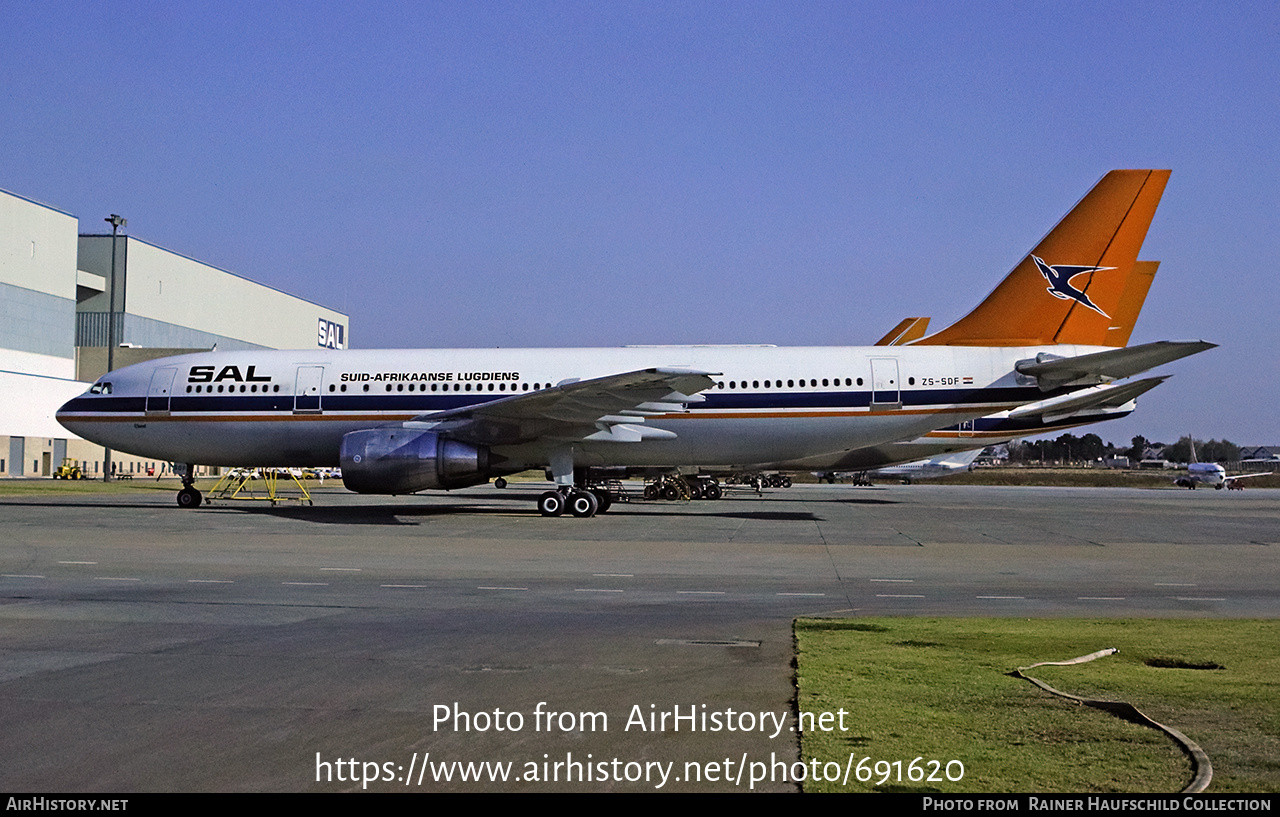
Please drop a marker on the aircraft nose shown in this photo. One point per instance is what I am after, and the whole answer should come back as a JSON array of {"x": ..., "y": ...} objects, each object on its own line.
[{"x": 66, "y": 417}]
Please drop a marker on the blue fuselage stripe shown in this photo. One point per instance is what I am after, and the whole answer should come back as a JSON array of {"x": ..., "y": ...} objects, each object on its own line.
[{"x": 426, "y": 403}]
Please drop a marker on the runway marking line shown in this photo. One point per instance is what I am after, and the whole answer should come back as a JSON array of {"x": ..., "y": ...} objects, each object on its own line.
[
  {"x": 307, "y": 584},
  {"x": 350, "y": 569},
  {"x": 20, "y": 576},
  {"x": 596, "y": 590},
  {"x": 701, "y": 592},
  {"x": 77, "y": 563},
  {"x": 498, "y": 588},
  {"x": 210, "y": 581},
  {"x": 613, "y": 575},
  {"x": 1099, "y": 598},
  {"x": 800, "y": 594},
  {"x": 899, "y": 596},
  {"x": 1000, "y": 597},
  {"x": 904, "y": 581},
  {"x": 115, "y": 579}
]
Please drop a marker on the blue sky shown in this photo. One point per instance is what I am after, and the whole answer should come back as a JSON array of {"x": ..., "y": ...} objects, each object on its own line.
[{"x": 582, "y": 174}]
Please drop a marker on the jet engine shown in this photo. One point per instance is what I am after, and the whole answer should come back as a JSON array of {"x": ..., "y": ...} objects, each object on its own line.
[{"x": 403, "y": 461}]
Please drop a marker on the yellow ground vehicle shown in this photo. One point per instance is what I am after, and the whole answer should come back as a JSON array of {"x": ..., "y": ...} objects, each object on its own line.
[{"x": 69, "y": 469}]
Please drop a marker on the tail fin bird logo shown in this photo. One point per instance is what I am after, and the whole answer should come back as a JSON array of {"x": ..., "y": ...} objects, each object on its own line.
[{"x": 1059, "y": 277}]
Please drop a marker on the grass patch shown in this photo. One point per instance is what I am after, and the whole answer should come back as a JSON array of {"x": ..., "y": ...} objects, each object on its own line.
[
  {"x": 938, "y": 689},
  {"x": 61, "y": 487}
]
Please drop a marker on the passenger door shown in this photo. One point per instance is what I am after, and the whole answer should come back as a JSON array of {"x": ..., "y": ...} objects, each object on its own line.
[
  {"x": 159, "y": 392},
  {"x": 886, "y": 391},
  {"x": 306, "y": 394}
]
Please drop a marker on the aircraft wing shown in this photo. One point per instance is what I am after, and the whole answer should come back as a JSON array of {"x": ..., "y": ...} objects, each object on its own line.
[
  {"x": 606, "y": 409},
  {"x": 962, "y": 458},
  {"x": 1051, "y": 371},
  {"x": 1228, "y": 480},
  {"x": 1098, "y": 398}
]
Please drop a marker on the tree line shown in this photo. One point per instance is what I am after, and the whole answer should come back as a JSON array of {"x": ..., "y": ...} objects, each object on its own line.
[{"x": 1068, "y": 448}]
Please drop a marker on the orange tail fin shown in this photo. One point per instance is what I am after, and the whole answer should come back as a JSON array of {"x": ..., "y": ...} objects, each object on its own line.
[
  {"x": 1131, "y": 301},
  {"x": 1070, "y": 288}
]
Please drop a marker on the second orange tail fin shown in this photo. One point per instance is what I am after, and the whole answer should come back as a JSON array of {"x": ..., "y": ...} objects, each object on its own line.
[{"x": 907, "y": 330}]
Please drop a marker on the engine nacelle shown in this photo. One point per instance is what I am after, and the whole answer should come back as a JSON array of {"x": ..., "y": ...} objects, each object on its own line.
[{"x": 404, "y": 461}]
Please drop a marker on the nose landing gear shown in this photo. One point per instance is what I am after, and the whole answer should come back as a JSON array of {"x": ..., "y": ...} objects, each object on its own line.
[{"x": 189, "y": 497}]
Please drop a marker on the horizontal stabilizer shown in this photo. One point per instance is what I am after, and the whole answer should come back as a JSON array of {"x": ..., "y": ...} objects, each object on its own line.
[
  {"x": 1096, "y": 398},
  {"x": 1053, "y": 372}
]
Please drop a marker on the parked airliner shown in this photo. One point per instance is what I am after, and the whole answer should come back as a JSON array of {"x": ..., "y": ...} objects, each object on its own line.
[
  {"x": 944, "y": 465},
  {"x": 1210, "y": 473},
  {"x": 402, "y": 421}
]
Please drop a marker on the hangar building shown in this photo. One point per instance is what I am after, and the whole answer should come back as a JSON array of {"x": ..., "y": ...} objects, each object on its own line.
[{"x": 58, "y": 300}]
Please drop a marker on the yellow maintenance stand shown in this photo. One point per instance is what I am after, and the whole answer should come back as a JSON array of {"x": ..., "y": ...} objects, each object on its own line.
[{"x": 261, "y": 484}]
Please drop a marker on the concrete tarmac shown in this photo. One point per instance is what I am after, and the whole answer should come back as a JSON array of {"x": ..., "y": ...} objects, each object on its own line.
[{"x": 374, "y": 642}]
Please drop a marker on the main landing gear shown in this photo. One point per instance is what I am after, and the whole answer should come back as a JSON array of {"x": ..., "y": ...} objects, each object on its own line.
[
  {"x": 189, "y": 497},
  {"x": 580, "y": 502},
  {"x": 673, "y": 487},
  {"x": 573, "y": 492}
]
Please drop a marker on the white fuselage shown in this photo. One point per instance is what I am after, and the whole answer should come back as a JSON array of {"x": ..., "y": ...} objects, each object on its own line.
[
  {"x": 1207, "y": 473},
  {"x": 931, "y": 468},
  {"x": 769, "y": 403}
]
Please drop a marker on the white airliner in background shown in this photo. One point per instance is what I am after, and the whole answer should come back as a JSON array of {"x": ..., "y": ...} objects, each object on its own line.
[
  {"x": 943, "y": 465},
  {"x": 1210, "y": 473},
  {"x": 402, "y": 421}
]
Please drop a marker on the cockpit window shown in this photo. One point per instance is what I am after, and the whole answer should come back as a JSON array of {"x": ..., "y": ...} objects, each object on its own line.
[{"x": 100, "y": 388}]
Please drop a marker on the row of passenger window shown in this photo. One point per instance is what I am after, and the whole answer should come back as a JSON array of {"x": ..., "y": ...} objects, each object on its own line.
[
  {"x": 812, "y": 383},
  {"x": 524, "y": 387},
  {"x": 438, "y": 387},
  {"x": 334, "y": 388},
  {"x": 219, "y": 389}
]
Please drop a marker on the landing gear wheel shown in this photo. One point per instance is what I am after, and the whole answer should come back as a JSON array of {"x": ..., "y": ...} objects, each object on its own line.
[
  {"x": 604, "y": 497},
  {"x": 189, "y": 498},
  {"x": 500, "y": 482},
  {"x": 551, "y": 503},
  {"x": 583, "y": 504},
  {"x": 713, "y": 491},
  {"x": 670, "y": 492}
]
